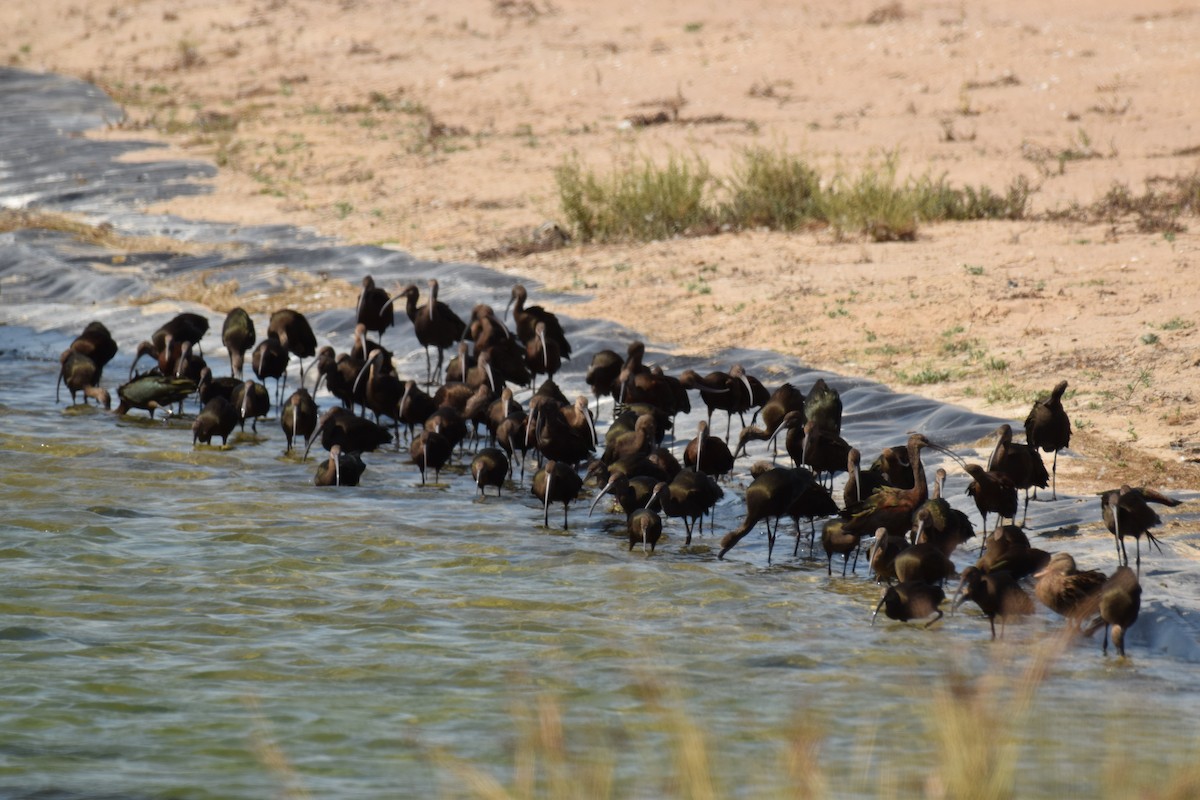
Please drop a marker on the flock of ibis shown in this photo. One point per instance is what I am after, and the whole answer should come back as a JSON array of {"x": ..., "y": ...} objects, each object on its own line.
[{"x": 910, "y": 528}]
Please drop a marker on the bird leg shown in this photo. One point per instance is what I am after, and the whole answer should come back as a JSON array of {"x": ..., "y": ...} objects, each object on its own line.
[{"x": 1054, "y": 477}]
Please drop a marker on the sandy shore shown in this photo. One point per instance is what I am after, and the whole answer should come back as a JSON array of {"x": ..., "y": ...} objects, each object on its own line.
[{"x": 436, "y": 128}]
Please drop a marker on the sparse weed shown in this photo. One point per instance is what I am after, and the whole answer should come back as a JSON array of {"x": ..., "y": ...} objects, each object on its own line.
[
  {"x": 928, "y": 374},
  {"x": 771, "y": 189}
]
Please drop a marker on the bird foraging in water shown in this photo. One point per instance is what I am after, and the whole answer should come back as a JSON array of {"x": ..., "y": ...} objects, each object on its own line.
[
  {"x": 1120, "y": 599},
  {"x": 489, "y": 467},
  {"x": 556, "y": 483},
  {"x": 645, "y": 528},
  {"x": 996, "y": 593},
  {"x": 218, "y": 418},
  {"x": 152, "y": 392},
  {"x": 769, "y": 496},
  {"x": 911, "y": 600},
  {"x": 1049, "y": 428},
  {"x": 1067, "y": 590},
  {"x": 81, "y": 374},
  {"x": 1126, "y": 512},
  {"x": 237, "y": 334},
  {"x": 340, "y": 469},
  {"x": 298, "y": 418}
]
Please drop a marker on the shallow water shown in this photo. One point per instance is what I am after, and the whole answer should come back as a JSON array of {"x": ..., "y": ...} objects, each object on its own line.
[
  {"x": 203, "y": 622},
  {"x": 169, "y": 609}
]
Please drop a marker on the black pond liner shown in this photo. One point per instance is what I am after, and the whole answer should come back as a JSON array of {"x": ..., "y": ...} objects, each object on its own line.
[{"x": 52, "y": 285}]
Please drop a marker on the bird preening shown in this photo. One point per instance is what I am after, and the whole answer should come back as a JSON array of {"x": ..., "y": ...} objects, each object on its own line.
[{"x": 498, "y": 409}]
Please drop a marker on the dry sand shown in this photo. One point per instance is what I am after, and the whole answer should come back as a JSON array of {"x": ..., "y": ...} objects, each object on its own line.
[{"x": 436, "y": 127}]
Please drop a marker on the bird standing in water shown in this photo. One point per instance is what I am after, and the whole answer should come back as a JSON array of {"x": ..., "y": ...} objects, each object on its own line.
[{"x": 1120, "y": 601}]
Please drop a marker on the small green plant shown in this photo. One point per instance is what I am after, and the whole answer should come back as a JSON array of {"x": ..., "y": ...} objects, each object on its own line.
[
  {"x": 1002, "y": 393},
  {"x": 343, "y": 209},
  {"x": 925, "y": 376},
  {"x": 772, "y": 190},
  {"x": 1150, "y": 338},
  {"x": 1177, "y": 324},
  {"x": 643, "y": 202},
  {"x": 973, "y": 269}
]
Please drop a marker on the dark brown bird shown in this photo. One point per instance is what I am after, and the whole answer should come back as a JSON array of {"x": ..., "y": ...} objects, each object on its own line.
[
  {"x": 81, "y": 374},
  {"x": 708, "y": 454},
  {"x": 769, "y": 496},
  {"x": 993, "y": 492},
  {"x": 338, "y": 373},
  {"x": 252, "y": 400},
  {"x": 1020, "y": 462},
  {"x": 1067, "y": 590},
  {"x": 1120, "y": 601},
  {"x": 511, "y": 436},
  {"x": 556, "y": 438},
  {"x": 556, "y": 483},
  {"x": 374, "y": 310},
  {"x": 434, "y": 324},
  {"x": 923, "y": 562},
  {"x": 218, "y": 418},
  {"x": 489, "y": 467},
  {"x": 892, "y": 508},
  {"x": 527, "y": 320},
  {"x": 379, "y": 388},
  {"x": 602, "y": 375},
  {"x": 823, "y": 451},
  {"x": 542, "y": 355},
  {"x": 937, "y": 522},
  {"x": 430, "y": 449},
  {"x": 1049, "y": 428},
  {"x": 637, "y": 383},
  {"x": 1008, "y": 550},
  {"x": 298, "y": 418},
  {"x": 340, "y": 469},
  {"x": 238, "y": 336},
  {"x": 96, "y": 343},
  {"x": 292, "y": 330},
  {"x": 166, "y": 356},
  {"x": 815, "y": 501},
  {"x": 450, "y": 423},
  {"x": 996, "y": 593},
  {"x": 270, "y": 360},
  {"x": 784, "y": 399},
  {"x": 823, "y": 406},
  {"x": 152, "y": 392},
  {"x": 911, "y": 600},
  {"x": 416, "y": 406},
  {"x": 486, "y": 329},
  {"x": 632, "y": 482},
  {"x": 1127, "y": 512},
  {"x": 859, "y": 485},
  {"x": 210, "y": 387},
  {"x": 721, "y": 391},
  {"x": 893, "y": 468},
  {"x": 645, "y": 528},
  {"x": 639, "y": 441},
  {"x": 836, "y": 537},
  {"x": 185, "y": 327},
  {"x": 689, "y": 496},
  {"x": 354, "y": 434},
  {"x": 882, "y": 555}
]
